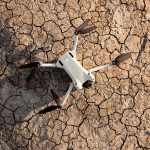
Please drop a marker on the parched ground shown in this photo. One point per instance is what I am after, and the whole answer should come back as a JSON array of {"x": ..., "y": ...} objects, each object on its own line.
[{"x": 113, "y": 114}]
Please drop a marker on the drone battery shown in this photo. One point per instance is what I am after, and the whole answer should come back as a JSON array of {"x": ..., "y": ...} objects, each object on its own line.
[{"x": 78, "y": 74}]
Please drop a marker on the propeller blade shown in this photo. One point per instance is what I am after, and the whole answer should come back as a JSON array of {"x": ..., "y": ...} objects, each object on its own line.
[
  {"x": 87, "y": 30},
  {"x": 56, "y": 97},
  {"x": 49, "y": 109},
  {"x": 30, "y": 65},
  {"x": 82, "y": 26},
  {"x": 121, "y": 58},
  {"x": 31, "y": 75}
]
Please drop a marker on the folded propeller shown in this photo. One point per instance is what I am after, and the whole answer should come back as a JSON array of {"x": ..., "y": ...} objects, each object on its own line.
[
  {"x": 85, "y": 27},
  {"x": 30, "y": 65},
  {"x": 53, "y": 107},
  {"x": 121, "y": 58}
]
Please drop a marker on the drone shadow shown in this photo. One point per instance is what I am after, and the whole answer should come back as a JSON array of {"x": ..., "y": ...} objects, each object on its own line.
[
  {"x": 142, "y": 47},
  {"x": 25, "y": 91}
]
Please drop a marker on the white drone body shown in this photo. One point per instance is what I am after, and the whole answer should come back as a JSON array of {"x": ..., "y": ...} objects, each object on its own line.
[
  {"x": 81, "y": 77},
  {"x": 74, "y": 69},
  {"x": 77, "y": 73}
]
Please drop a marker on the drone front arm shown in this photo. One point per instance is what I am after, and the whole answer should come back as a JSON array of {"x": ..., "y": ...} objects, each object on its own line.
[
  {"x": 100, "y": 67},
  {"x": 67, "y": 94},
  {"x": 119, "y": 59},
  {"x": 47, "y": 65},
  {"x": 75, "y": 42}
]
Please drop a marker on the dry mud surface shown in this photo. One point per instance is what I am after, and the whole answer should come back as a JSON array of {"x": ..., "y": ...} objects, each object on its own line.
[{"x": 113, "y": 114}]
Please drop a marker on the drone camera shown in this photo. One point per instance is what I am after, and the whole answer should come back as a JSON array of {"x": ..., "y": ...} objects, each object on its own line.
[{"x": 87, "y": 84}]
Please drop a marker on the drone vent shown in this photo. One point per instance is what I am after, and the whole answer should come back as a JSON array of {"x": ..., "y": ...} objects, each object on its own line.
[
  {"x": 60, "y": 62},
  {"x": 71, "y": 55}
]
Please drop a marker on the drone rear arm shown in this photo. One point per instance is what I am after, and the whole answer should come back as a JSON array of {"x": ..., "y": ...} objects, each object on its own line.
[
  {"x": 37, "y": 64},
  {"x": 67, "y": 94}
]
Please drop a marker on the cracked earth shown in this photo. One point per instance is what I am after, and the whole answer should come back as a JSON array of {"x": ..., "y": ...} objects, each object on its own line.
[{"x": 113, "y": 114}]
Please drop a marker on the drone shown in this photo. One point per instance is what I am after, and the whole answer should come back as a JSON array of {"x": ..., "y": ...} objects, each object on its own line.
[{"x": 81, "y": 77}]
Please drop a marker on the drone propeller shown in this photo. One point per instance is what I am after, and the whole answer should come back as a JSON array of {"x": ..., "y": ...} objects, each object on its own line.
[
  {"x": 56, "y": 97},
  {"x": 87, "y": 30},
  {"x": 53, "y": 107},
  {"x": 117, "y": 61},
  {"x": 30, "y": 65},
  {"x": 49, "y": 109},
  {"x": 82, "y": 26},
  {"x": 83, "y": 29},
  {"x": 121, "y": 58}
]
